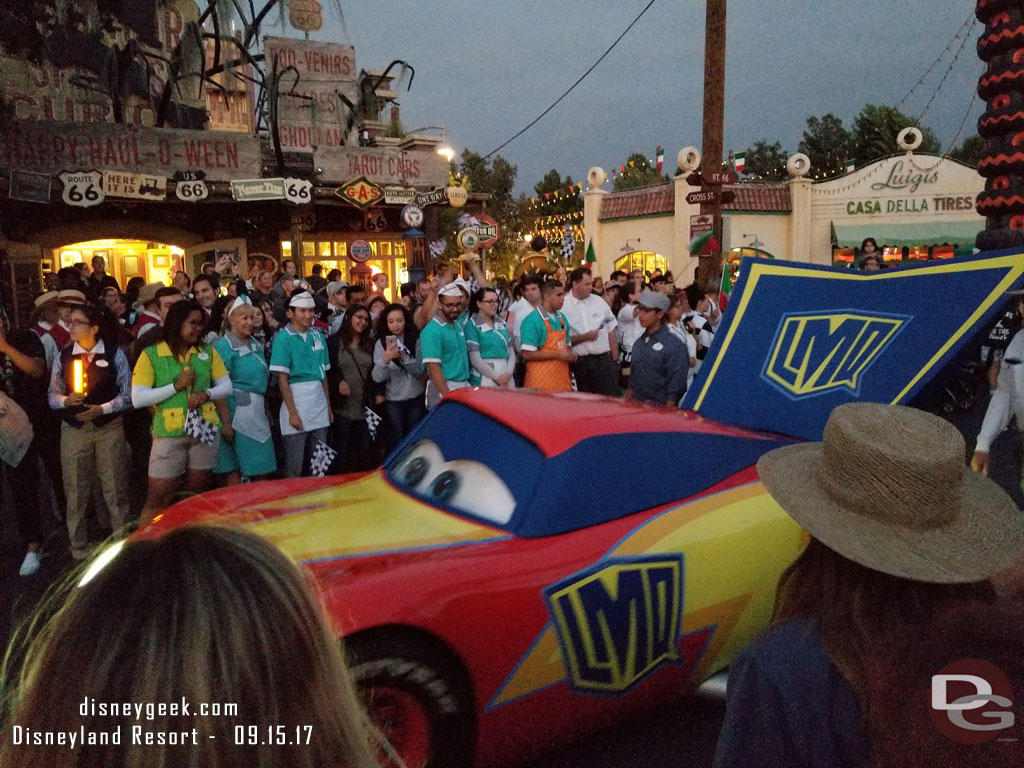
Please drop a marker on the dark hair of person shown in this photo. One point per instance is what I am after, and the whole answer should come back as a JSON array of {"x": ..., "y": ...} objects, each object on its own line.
[
  {"x": 220, "y": 306},
  {"x": 167, "y": 290},
  {"x": 476, "y": 298},
  {"x": 887, "y": 636},
  {"x": 550, "y": 286},
  {"x": 617, "y": 274},
  {"x": 578, "y": 274},
  {"x": 694, "y": 293},
  {"x": 867, "y": 240},
  {"x": 317, "y": 269},
  {"x": 377, "y": 299},
  {"x": 411, "y": 333},
  {"x": 353, "y": 290},
  {"x": 347, "y": 333},
  {"x": 176, "y": 317},
  {"x": 96, "y": 316},
  {"x": 407, "y": 289},
  {"x": 658, "y": 280},
  {"x": 537, "y": 280},
  {"x": 334, "y": 275},
  {"x": 188, "y": 280},
  {"x": 211, "y": 279},
  {"x": 69, "y": 279},
  {"x": 133, "y": 287}
]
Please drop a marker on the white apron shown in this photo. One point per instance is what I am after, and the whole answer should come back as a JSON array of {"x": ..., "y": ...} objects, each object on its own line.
[
  {"x": 500, "y": 366},
  {"x": 250, "y": 418},
  {"x": 311, "y": 404}
]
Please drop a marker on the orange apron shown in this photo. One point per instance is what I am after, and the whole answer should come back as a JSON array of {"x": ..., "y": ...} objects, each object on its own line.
[{"x": 549, "y": 375}]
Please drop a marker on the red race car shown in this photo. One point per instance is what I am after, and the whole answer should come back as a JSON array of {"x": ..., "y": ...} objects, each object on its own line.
[
  {"x": 497, "y": 587},
  {"x": 529, "y": 568}
]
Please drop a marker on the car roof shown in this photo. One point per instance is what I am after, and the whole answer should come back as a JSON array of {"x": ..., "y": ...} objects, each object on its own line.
[{"x": 545, "y": 420}]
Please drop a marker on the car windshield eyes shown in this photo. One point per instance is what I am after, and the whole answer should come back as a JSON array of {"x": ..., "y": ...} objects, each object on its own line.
[
  {"x": 446, "y": 486},
  {"x": 416, "y": 470}
]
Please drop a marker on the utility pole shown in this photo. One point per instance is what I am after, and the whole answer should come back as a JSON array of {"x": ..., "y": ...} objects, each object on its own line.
[{"x": 714, "y": 122}]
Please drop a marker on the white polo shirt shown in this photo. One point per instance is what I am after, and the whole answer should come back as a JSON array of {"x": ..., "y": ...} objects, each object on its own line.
[{"x": 589, "y": 314}]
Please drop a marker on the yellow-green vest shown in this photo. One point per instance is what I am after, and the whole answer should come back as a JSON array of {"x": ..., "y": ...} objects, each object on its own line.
[{"x": 169, "y": 419}]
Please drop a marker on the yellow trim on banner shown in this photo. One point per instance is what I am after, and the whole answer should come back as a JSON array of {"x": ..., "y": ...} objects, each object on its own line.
[{"x": 1013, "y": 262}]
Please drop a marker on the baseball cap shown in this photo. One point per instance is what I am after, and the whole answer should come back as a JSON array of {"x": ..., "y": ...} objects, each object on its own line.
[
  {"x": 336, "y": 286},
  {"x": 654, "y": 300}
]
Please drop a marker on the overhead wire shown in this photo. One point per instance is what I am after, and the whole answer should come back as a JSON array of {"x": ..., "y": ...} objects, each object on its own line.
[
  {"x": 942, "y": 82},
  {"x": 573, "y": 86},
  {"x": 970, "y": 22}
]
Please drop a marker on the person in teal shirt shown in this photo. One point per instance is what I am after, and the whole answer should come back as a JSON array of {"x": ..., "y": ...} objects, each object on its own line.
[
  {"x": 491, "y": 353},
  {"x": 246, "y": 448},
  {"x": 443, "y": 344}
]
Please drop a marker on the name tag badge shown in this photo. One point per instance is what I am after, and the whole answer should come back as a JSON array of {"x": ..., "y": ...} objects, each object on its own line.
[
  {"x": 658, "y": 346},
  {"x": 102, "y": 363},
  {"x": 317, "y": 346},
  {"x": 203, "y": 356}
]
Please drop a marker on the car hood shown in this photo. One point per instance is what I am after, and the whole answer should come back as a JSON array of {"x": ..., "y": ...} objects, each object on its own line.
[{"x": 317, "y": 520}]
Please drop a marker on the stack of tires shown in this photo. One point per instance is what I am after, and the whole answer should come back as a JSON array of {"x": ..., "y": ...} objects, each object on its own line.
[{"x": 1001, "y": 47}]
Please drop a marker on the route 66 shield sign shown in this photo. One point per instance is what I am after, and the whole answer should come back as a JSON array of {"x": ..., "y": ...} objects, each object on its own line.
[{"x": 82, "y": 189}]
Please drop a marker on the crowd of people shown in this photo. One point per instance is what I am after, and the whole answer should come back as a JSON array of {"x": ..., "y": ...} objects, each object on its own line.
[{"x": 136, "y": 396}]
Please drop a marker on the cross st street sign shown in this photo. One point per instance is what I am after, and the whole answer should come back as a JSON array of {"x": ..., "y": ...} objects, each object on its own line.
[{"x": 708, "y": 196}]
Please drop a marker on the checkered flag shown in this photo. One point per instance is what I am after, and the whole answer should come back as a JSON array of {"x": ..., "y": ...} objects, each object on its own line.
[
  {"x": 437, "y": 248},
  {"x": 323, "y": 457},
  {"x": 372, "y": 422},
  {"x": 199, "y": 428},
  {"x": 568, "y": 244}
]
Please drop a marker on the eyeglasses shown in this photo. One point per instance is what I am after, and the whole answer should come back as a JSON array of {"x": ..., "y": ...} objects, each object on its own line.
[
  {"x": 451, "y": 304},
  {"x": 487, "y": 301},
  {"x": 80, "y": 322}
]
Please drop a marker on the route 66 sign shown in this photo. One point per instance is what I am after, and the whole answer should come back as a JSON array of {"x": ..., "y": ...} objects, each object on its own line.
[
  {"x": 191, "y": 191},
  {"x": 298, "y": 191},
  {"x": 82, "y": 189}
]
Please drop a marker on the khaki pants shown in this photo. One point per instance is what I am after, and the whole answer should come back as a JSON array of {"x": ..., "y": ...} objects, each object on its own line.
[{"x": 91, "y": 455}]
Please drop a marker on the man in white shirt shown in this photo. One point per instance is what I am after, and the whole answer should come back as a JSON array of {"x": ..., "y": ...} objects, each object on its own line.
[
  {"x": 521, "y": 309},
  {"x": 593, "y": 336}
]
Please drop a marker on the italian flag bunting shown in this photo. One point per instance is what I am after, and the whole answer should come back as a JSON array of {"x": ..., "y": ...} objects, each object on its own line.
[
  {"x": 851, "y": 166},
  {"x": 591, "y": 257},
  {"x": 740, "y": 159},
  {"x": 659, "y": 155}
]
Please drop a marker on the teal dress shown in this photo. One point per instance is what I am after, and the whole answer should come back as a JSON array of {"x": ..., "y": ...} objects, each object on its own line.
[
  {"x": 493, "y": 343},
  {"x": 252, "y": 450}
]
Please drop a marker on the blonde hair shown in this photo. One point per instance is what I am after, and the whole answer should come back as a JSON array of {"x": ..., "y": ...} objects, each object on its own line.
[
  {"x": 203, "y": 614},
  {"x": 225, "y": 324}
]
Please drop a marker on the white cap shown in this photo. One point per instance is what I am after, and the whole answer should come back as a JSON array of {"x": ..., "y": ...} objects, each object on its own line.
[
  {"x": 452, "y": 289},
  {"x": 302, "y": 300}
]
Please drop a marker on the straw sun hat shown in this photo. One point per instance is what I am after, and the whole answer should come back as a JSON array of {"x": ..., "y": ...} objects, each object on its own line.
[{"x": 889, "y": 489}]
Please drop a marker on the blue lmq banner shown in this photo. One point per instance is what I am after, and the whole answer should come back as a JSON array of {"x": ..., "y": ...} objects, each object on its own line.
[{"x": 797, "y": 339}]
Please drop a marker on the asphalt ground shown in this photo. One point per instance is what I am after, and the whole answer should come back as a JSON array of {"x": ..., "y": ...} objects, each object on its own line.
[{"x": 682, "y": 734}]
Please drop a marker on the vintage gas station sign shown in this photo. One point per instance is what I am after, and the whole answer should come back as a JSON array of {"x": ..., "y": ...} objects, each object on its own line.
[{"x": 360, "y": 192}]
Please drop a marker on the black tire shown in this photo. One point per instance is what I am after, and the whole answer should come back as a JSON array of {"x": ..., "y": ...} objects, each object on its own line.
[{"x": 388, "y": 661}]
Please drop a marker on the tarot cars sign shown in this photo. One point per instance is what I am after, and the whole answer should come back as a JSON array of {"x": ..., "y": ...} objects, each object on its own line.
[
  {"x": 797, "y": 335},
  {"x": 382, "y": 165}
]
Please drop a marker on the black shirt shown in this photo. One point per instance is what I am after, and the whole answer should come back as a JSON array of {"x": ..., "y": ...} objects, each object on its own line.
[{"x": 26, "y": 391}]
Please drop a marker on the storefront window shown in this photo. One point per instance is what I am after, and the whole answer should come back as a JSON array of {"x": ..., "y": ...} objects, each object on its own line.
[
  {"x": 918, "y": 253},
  {"x": 842, "y": 257},
  {"x": 390, "y": 257},
  {"x": 125, "y": 259},
  {"x": 645, "y": 260},
  {"x": 892, "y": 255}
]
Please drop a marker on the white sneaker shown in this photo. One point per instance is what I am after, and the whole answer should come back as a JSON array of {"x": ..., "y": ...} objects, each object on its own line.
[{"x": 30, "y": 564}]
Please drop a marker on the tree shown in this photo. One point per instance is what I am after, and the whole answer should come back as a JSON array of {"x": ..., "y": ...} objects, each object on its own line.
[
  {"x": 496, "y": 178},
  {"x": 566, "y": 202},
  {"x": 875, "y": 130},
  {"x": 828, "y": 145},
  {"x": 767, "y": 161},
  {"x": 971, "y": 151},
  {"x": 639, "y": 173}
]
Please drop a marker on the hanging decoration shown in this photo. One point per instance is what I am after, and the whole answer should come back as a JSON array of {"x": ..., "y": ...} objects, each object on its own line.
[{"x": 568, "y": 244}]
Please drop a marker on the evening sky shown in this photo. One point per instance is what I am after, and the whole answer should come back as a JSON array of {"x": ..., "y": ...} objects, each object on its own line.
[{"x": 485, "y": 69}]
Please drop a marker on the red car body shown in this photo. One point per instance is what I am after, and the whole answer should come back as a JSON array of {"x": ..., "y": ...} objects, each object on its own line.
[{"x": 560, "y": 625}]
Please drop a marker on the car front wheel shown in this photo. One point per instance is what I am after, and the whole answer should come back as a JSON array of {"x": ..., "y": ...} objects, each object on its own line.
[{"x": 418, "y": 695}]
